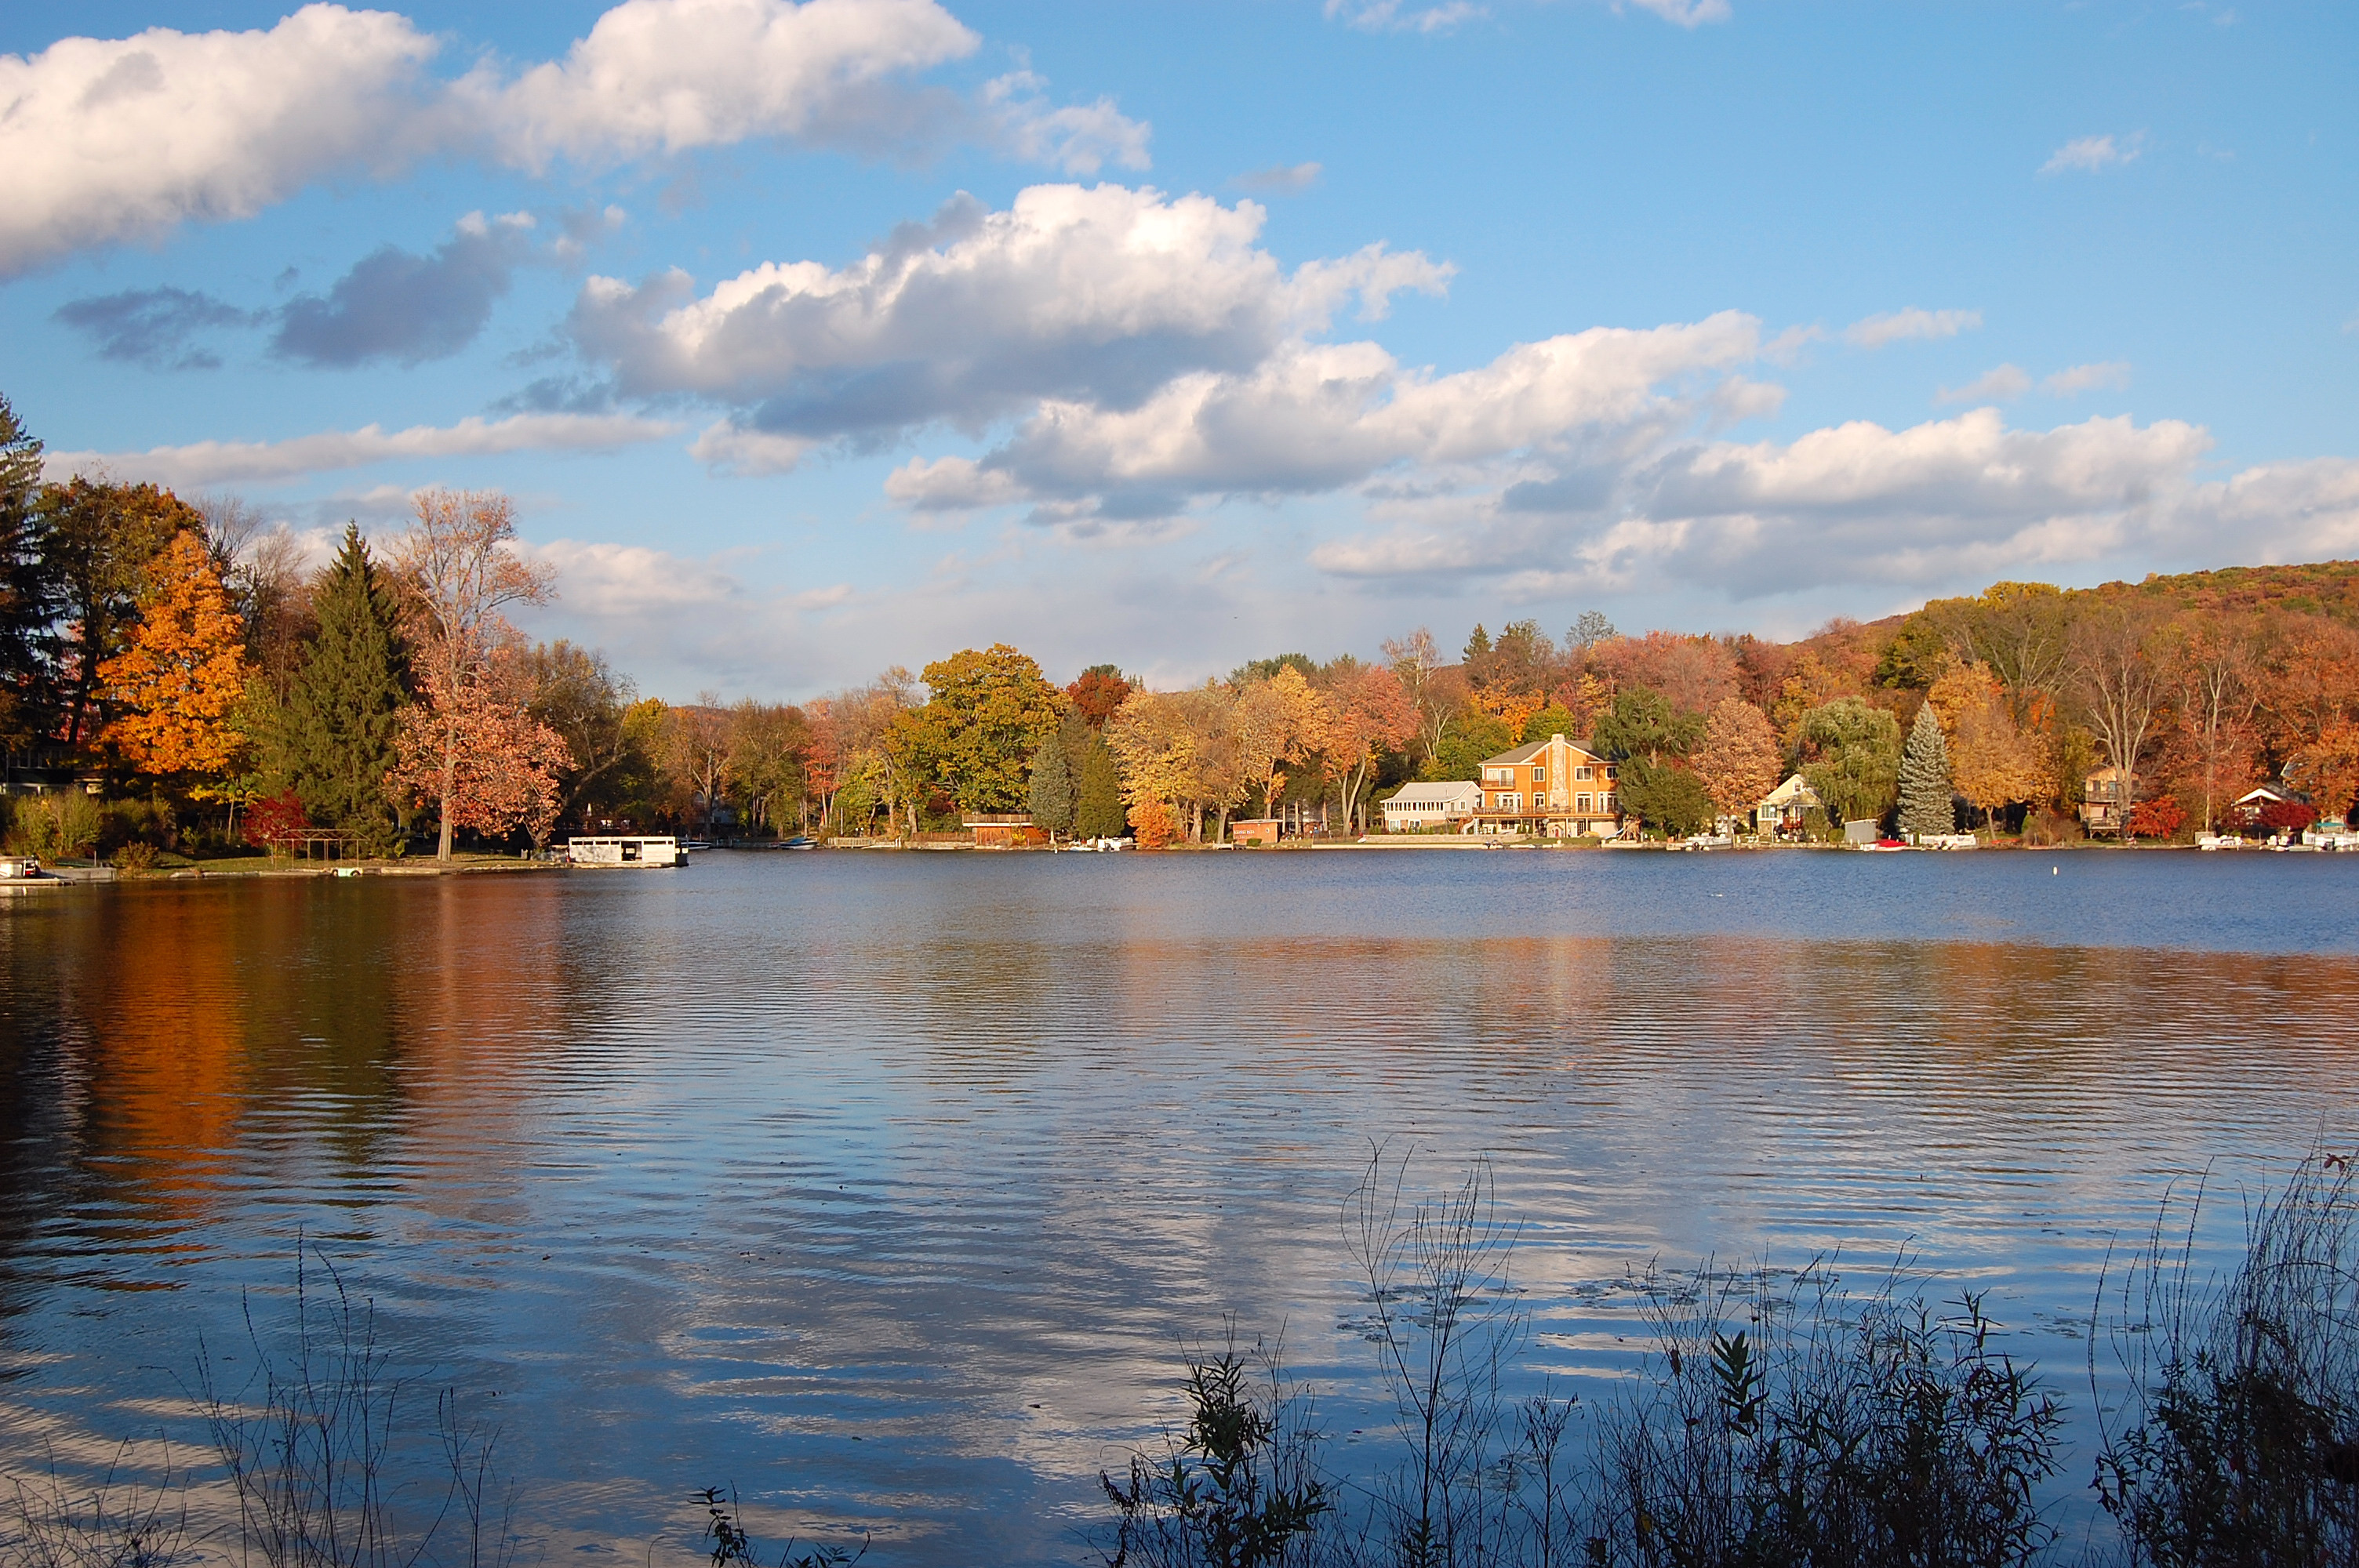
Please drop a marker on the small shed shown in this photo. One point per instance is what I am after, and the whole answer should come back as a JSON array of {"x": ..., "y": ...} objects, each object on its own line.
[{"x": 1002, "y": 830}]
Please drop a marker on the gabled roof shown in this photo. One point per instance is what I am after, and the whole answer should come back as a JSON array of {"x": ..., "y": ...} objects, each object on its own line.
[
  {"x": 1530, "y": 749},
  {"x": 1434, "y": 792},
  {"x": 1794, "y": 789}
]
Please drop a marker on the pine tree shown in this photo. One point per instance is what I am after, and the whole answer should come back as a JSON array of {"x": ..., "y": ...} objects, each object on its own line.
[
  {"x": 1925, "y": 804},
  {"x": 345, "y": 707},
  {"x": 25, "y": 589},
  {"x": 1098, "y": 813},
  {"x": 1052, "y": 787}
]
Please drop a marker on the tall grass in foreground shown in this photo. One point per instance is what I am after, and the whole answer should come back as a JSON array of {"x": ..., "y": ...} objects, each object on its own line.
[
  {"x": 307, "y": 1448},
  {"x": 1804, "y": 1425},
  {"x": 2240, "y": 1442}
]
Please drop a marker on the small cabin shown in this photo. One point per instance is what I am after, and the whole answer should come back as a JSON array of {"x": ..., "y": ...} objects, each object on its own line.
[
  {"x": 624, "y": 850},
  {"x": 1002, "y": 830},
  {"x": 20, "y": 868}
]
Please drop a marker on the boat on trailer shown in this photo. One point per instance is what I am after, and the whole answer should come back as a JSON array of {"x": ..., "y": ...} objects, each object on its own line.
[{"x": 626, "y": 851}]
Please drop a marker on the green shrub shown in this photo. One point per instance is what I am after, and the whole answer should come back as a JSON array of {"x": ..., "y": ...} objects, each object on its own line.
[
  {"x": 1239, "y": 1488},
  {"x": 57, "y": 826},
  {"x": 1830, "y": 1430}
]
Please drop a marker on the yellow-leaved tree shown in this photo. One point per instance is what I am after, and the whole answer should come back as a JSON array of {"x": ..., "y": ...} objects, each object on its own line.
[
  {"x": 176, "y": 685},
  {"x": 1994, "y": 761}
]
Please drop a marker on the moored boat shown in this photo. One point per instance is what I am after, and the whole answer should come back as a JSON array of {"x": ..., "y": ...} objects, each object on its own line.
[{"x": 626, "y": 851}]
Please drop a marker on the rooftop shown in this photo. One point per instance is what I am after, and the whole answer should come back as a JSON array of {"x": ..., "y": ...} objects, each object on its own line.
[{"x": 1530, "y": 749}]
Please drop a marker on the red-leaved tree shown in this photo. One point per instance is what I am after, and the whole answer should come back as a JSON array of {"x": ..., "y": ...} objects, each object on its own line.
[
  {"x": 2287, "y": 815},
  {"x": 2157, "y": 818},
  {"x": 276, "y": 821}
]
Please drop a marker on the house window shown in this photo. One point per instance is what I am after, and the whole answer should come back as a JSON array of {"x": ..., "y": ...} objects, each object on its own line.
[
  {"x": 1611, "y": 804},
  {"x": 1581, "y": 774},
  {"x": 1580, "y": 802},
  {"x": 1539, "y": 775},
  {"x": 1510, "y": 803},
  {"x": 1610, "y": 770}
]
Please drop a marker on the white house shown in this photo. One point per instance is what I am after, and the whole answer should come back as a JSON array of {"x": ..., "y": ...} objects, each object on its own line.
[
  {"x": 1436, "y": 805},
  {"x": 1781, "y": 810}
]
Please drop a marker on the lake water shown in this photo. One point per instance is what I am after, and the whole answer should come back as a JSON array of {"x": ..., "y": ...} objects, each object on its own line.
[{"x": 885, "y": 1186}]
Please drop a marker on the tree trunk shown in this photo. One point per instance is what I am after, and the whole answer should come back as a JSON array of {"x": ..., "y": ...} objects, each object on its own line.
[{"x": 450, "y": 788}]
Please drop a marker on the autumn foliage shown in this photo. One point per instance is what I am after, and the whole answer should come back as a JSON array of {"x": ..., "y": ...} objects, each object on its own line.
[
  {"x": 2287, "y": 815},
  {"x": 1096, "y": 695},
  {"x": 1152, "y": 823},
  {"x": 178, "y": 683},
  {"x": 472, "y": 748},
  {"x": 276, "y": 820},
  {"x": 481, "y": 759}
]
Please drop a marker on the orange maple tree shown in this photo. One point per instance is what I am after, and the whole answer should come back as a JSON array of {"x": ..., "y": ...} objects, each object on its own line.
[
  {"x": 2328, "y": 768},
  {"x": 179, "y": 682},
  {"x": 1740, "y": 760},
  {"x": 1153, "y": 825}
]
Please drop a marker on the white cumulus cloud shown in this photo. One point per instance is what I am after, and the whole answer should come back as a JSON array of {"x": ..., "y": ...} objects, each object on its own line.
[
  {"x": 112, "y": 140},
  {"x": 668, "y": 76},
  {"x": 201, "y": 463},
  {"x": 1315, "y": 416},
  {"x": 1899, "y": 326},
  {"x": 1961, "y": 497},
  {"x": 1102, "y": 293},
  {"x": 124, "y": 139}
]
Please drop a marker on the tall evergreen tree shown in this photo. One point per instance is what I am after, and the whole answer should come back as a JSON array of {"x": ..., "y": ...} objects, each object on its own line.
[
  {"x": 1098, "y": 813},
  {"x": 25, "y": 591},
  {"x": 344, "y": 706},
  {"x": 1052, "y": 787},
  {"x": 1925, "y": 794}
]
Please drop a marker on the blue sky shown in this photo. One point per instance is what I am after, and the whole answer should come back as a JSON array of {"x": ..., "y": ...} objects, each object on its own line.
[{"x": 815, "y": 338}]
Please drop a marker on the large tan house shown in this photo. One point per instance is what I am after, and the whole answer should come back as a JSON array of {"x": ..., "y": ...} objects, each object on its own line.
[{"x": 1553, "y": 788}]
